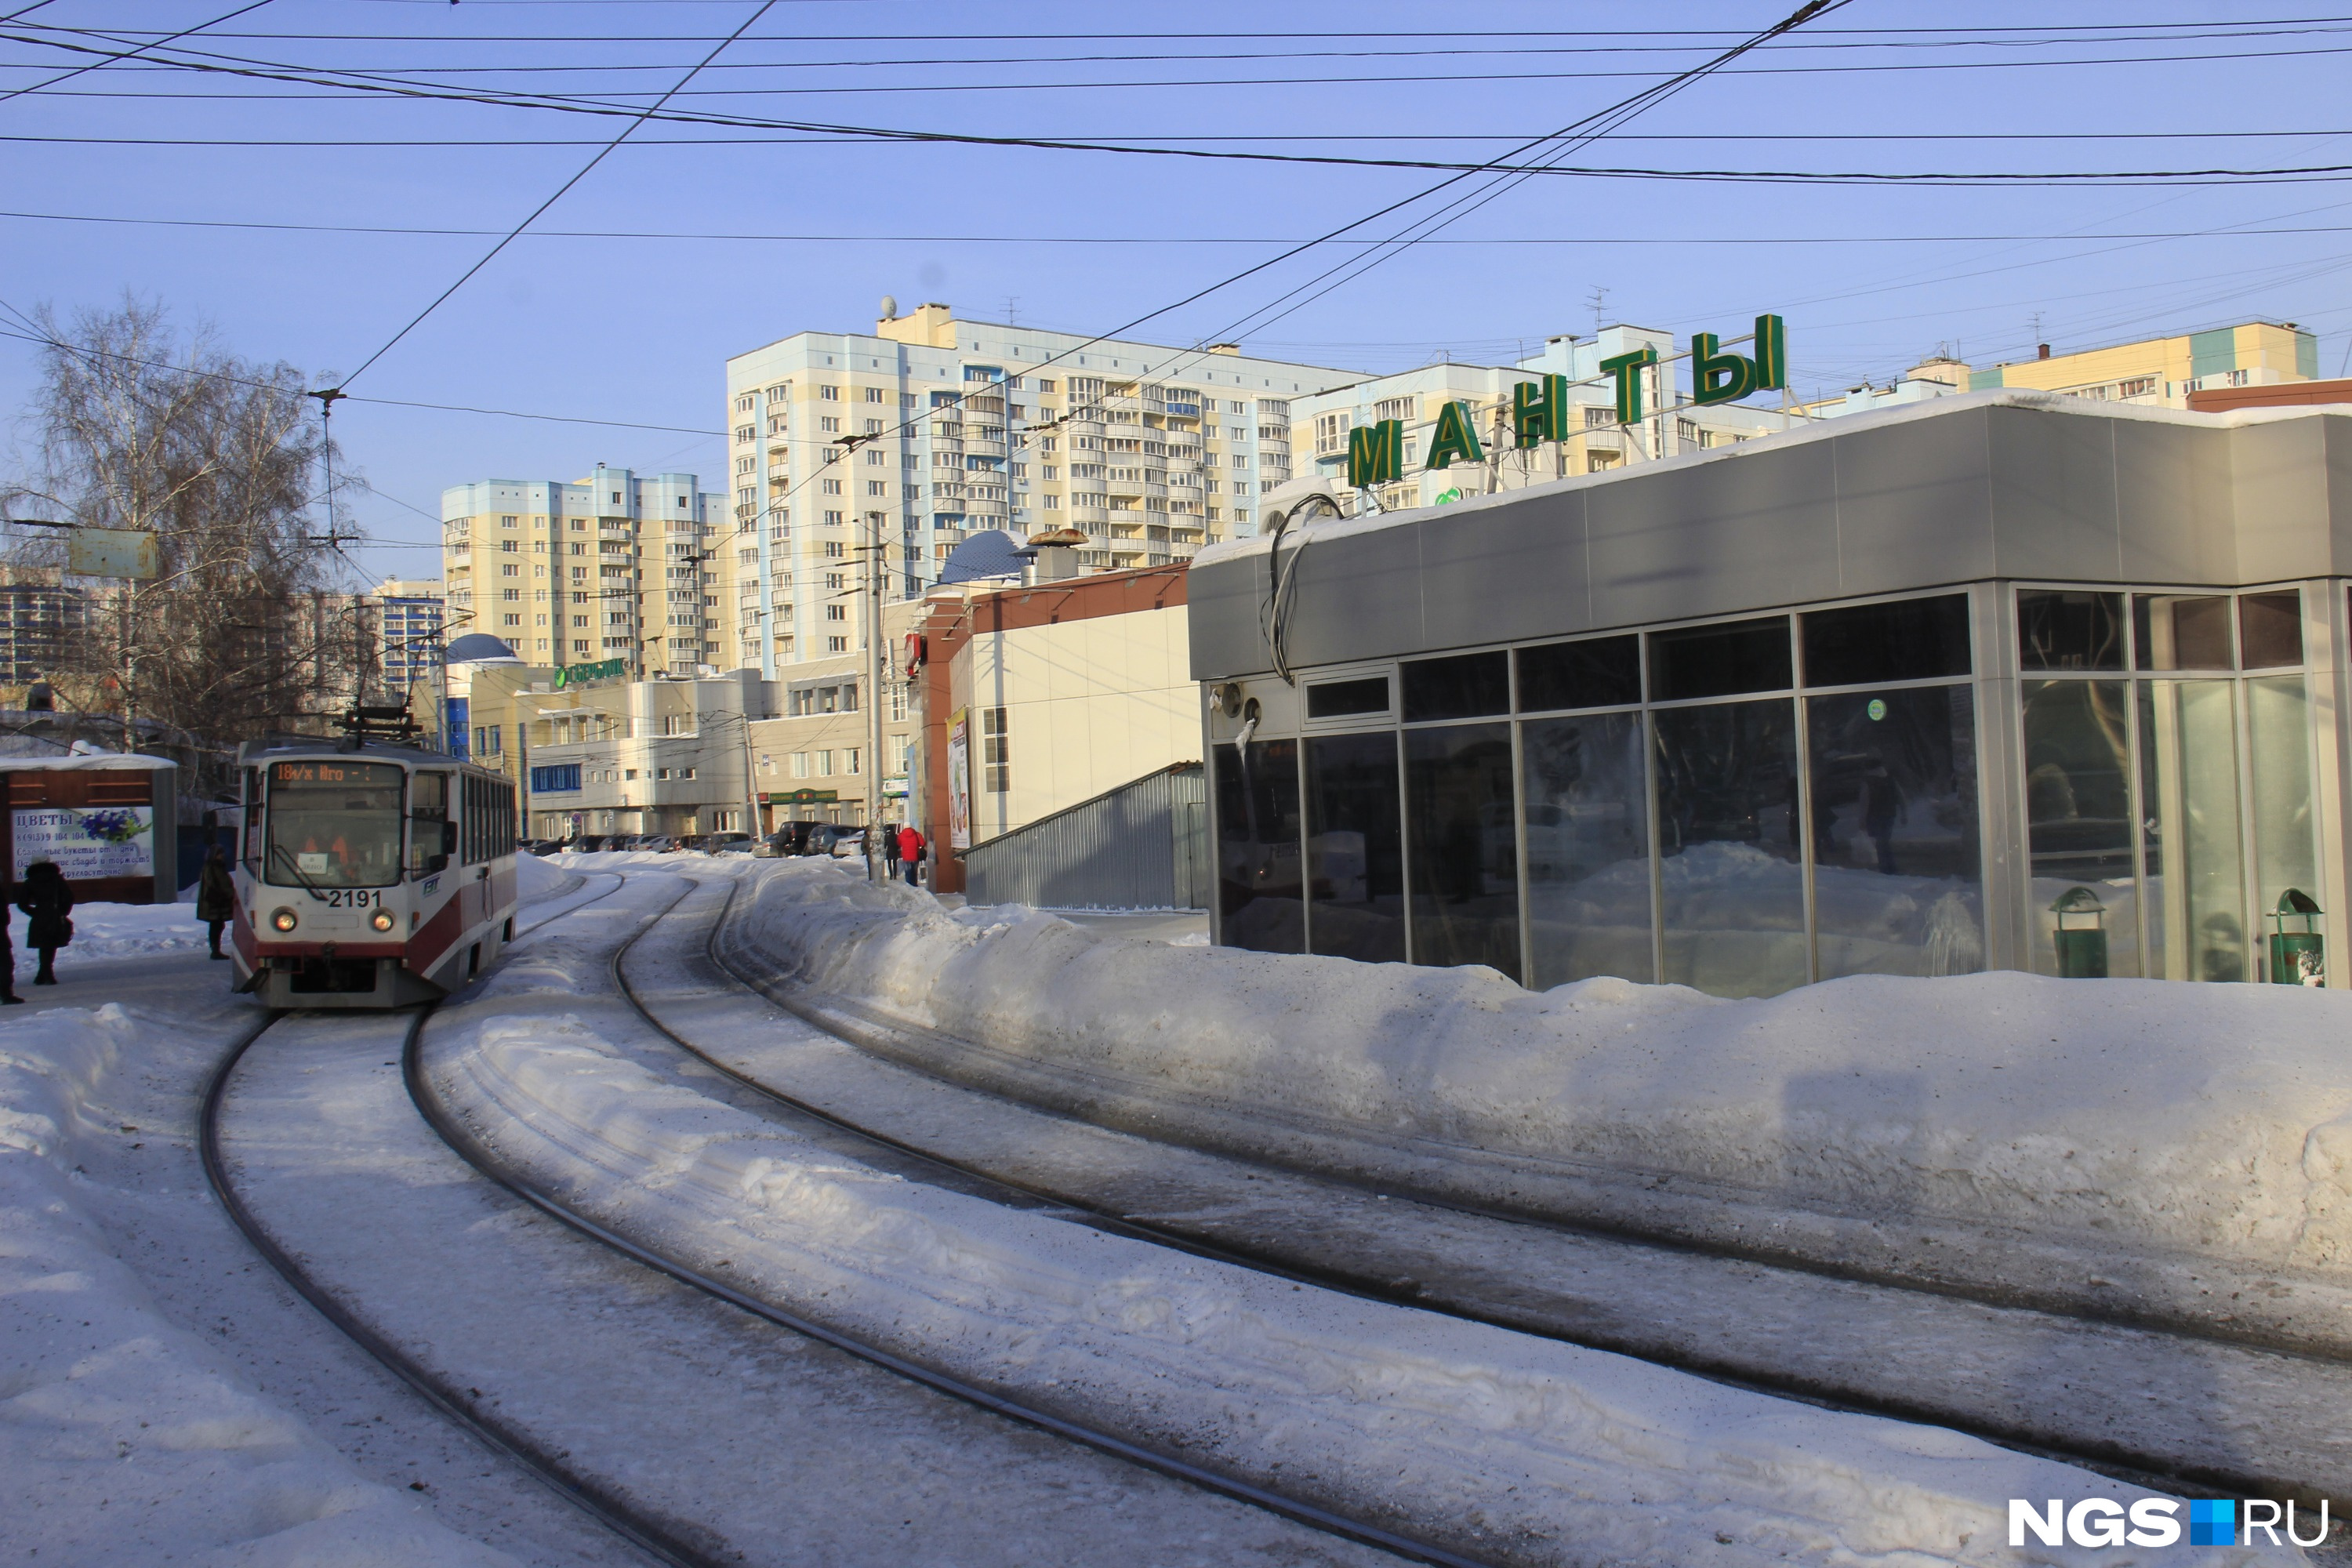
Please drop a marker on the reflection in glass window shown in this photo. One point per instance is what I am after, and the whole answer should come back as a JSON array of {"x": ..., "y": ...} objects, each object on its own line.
[
  {"x": 334, "y": 824},
  {"x": 1355, "y": 854},
  {"x": 1466, "y": 686},
  {"x": 1338, "y": 698},
  {"x": 2271, "y": 627},
  {"x": 1897, "y": 885},
  {"x": 2078, "y": 811},
  {"x": 1733, "y": 892},
  {"x": 2278, "y": 725},
  {"x": 1597, "y": 672},
  {"x": 2181, "y": 631},
  {"x": 1720, "y": 660},
  {"x": 1907, "y": 639},
  {"x": 1258, "y": 846},
  {"x": 2189, "y": 806},
  {"x": 1464, "y": 848},
  {"x": 1587, "y": 848},
  {"x": 2069, "y": 629}
]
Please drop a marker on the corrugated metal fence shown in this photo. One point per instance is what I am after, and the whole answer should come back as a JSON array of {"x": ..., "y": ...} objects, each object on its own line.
[{"x": 1143, "y": 846}]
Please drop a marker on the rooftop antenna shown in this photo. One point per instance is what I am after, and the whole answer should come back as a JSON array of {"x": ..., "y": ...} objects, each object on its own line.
[{"x": 1599, "y": 299}]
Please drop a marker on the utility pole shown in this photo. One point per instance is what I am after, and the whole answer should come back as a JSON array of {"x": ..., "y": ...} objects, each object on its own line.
[
  {"x": 874, "y": 701},
  {"x": 751, "y": 777},
  {"x": 523, "y": 716}
]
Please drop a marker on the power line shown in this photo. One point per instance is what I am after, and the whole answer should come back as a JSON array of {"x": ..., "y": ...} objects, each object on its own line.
[
  {"x": 721, "y": 236},
  {"x": 766, "y": 5},
  {"x": 101, "y": 65},
  {"x": 59, "y": 343},
  {"x": 636, "y": 143}
]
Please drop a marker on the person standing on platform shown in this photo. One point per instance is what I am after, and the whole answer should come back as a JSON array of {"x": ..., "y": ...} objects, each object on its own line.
[
  {"x": 890, "y": 853},
  {"x": 911, "y": 853},
  {"x": 215, "y": 896},
  {"x": 46, "y": 902}
]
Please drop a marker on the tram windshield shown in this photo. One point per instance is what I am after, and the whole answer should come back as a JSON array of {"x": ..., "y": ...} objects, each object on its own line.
[{"x": 334, "y": 824}]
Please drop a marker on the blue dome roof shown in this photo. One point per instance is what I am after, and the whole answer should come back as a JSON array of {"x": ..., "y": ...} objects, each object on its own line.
[
  {"x": 479, "y": 647},
  {"x": 987, "y": 553}
]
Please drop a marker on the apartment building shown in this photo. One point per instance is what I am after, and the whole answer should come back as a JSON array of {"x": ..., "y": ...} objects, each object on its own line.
[
  {"x": 38, "y": 615},
  {"x": 814, "y": 760},
  {"x": 2150, "y": 373},
  {"x": 408, "y": 614},
  {"x": 1483, "y": 396},
  {"x": 894, "y": 445},
  {"x": 612, "y": 565}
]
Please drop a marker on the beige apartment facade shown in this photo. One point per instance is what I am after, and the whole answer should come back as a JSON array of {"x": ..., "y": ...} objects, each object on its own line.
[
  {"x": 896, "y": 446},
  {"x": 612, "y": 565}
]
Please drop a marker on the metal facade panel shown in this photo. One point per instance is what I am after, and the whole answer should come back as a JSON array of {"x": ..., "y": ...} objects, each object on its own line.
[
  {"x": 1914, "y": 506},
  {"x": 1536, "y": 544},
  {"x": 2172, "y": 495},
  {"x": 2281, "y": 470},
  {"x": 1141, "y": 846},
  {"x": 1357, "y": 597},
  {"x": 2053, "y": 495},
  {"x": 1712, "y": 537},
  {"x": 1226, "y": 597}
]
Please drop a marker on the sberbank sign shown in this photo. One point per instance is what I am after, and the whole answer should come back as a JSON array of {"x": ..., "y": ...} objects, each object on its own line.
[
  {"x": 603, "y": 670},
  {"x": 1540, "y": 410}
]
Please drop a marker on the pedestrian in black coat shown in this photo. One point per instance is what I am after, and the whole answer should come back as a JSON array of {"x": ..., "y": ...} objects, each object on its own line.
[
  {"x": 46, "y": 902},
  {"x": 215, "y": 896}
]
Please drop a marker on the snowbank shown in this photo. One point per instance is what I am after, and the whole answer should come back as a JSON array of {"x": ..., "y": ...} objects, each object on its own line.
[
  {"x": 2178, "y": 1152},
  {"x": 535, "y": 879},
  {"x": 122, "y": 1438},
  {"x": 1500, "y": 1444},
  {"x": 123, "y": 931}
]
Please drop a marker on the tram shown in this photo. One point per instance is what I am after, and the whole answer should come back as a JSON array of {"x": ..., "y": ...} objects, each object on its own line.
[{"x": 373, "y": 872}]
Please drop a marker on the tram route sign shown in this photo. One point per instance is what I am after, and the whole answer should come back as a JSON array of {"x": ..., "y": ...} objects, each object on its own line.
[{"x": 87, "y": 842}]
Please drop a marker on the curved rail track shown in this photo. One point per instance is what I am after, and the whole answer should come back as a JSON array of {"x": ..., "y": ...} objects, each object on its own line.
[{"x": 988, "y": 1178}]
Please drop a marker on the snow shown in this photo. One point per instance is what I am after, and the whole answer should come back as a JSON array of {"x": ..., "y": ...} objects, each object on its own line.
[
  {"x": 123, "y": 1438},
  {"x": 123, "y": 931},
  {"x": 1494, "y": 1441},
  {"x": 535, "y": 880},
  {"x": 2178, "y": 1151}
]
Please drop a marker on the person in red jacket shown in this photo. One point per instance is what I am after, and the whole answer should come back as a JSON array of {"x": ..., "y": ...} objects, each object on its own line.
[{"x": 910, "y": 852}]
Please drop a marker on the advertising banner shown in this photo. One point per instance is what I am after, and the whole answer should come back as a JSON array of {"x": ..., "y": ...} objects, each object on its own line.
[
  {"x": 87, "y": 842},
  {"x": 959, "y": 783}
]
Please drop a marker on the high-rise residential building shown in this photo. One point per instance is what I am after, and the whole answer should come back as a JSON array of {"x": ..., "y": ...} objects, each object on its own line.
[
  {"x": 2152, "y": 373},
  {"x": 898, "y": 443},
  {"x": 409, "y": 613},
  {"x": 611, "y": 566},
  {"x": 38, "y": 615}
]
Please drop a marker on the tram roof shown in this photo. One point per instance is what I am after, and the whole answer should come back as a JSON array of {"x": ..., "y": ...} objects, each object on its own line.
[{"x": 381, "y": 750}]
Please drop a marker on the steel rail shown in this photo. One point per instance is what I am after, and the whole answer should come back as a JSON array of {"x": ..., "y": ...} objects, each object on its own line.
[
  {"x": 476, "y": 1153},
  {"x": 584, "y": 1492},
  {"x": 2115, "y": 1459}
]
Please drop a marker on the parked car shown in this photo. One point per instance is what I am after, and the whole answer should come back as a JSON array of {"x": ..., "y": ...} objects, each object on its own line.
[
  {"x": 796, "y": 837},
  {"x": 848, "y": 843},
  {"x": 656, "y": 843},
  {"x": 723, "y": 843},
  {"x": 541, "y": 846}
]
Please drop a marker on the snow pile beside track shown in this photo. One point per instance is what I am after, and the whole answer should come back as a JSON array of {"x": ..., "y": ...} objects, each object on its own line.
[
  {"x": 123, "y": 931},
  {"x": 1516, "y": 1447},
  {"x": 2178, "y": 1152},
  {"x": 122, "y": 1438},
  {"x": 535, "y": 880}
]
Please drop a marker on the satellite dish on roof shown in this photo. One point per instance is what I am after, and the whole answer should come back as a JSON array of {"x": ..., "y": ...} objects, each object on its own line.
[{"x": 987, "y": 553}]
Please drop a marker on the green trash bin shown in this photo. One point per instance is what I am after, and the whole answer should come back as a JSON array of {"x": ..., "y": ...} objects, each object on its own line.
[
  {"x": 2082, "y": 935},
  {"x": 2298, "y": 950}
]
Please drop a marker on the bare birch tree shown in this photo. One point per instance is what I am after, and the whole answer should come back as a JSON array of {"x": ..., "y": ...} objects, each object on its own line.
[{"x": 142, "y": 428}]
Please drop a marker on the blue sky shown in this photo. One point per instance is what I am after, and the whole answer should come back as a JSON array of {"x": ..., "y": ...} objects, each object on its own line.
[{"x": 1871, "y": 277}]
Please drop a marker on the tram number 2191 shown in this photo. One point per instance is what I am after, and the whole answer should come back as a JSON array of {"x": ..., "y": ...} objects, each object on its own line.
[{"x": 350, "y": 898}]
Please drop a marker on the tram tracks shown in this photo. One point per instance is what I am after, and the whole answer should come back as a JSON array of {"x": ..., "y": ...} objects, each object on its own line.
[
  {"x": 1355, "y": 1260},
  {"x": 2172, "y": 1410},
  {"x": 660, "y": 1533}
]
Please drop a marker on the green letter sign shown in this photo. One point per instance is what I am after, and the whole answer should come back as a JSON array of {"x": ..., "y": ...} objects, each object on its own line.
[
  {"x": 1539, "y": 410},
  {"x": 1453, "y": 439},
  {"x": 1376, "y": 453},
  {"x": 1627, "y": 369},
  {"x": 1718, "y": 377}
]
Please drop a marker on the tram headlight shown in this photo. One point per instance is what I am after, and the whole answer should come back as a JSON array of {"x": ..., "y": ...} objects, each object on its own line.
[
  {"x": 282, "y": 918},
  {"x": 380, "y": 919}
]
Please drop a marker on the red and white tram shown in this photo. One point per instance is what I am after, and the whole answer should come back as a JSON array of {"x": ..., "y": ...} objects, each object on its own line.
[{"x": 371, "y": 875}]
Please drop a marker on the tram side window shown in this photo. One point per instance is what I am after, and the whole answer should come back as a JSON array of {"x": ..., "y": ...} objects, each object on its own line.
[
  {"x": 428, "y": 824},
  {"x": 253, "y": 814}
]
